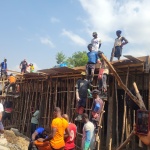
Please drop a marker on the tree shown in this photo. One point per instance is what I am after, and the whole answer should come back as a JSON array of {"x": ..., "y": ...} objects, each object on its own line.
[
  {"x": 78, "y": 59},
  {"x": 60, "y": 57}
]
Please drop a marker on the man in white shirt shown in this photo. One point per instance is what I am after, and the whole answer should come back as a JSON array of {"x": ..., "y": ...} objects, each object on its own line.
[
  {"x": 1, "y": 113},
  {"x": 96, "y": 42},
  {"x": 120, "y": 41},
  {"x": 88, "y": 138}
]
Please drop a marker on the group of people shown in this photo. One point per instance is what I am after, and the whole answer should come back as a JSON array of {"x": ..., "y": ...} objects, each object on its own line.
[
  {"x": 94, "y": 57},
  {"x": 62, "y": 134},
  {"x": 23, "y": 66}
]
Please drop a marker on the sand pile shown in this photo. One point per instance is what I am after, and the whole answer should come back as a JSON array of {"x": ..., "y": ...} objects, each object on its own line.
[{"x": 15, "y": 142}]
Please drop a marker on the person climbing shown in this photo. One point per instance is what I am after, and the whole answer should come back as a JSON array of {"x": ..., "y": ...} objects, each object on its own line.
[
  {"x": 120, "y": 41},
  {"x": 31, "y": 67},
  {"x": 69, "y": 141},
  {"x": 11, "y": 83},
  {"x": 92, "y": 60},
  {"x": 82, "y": 87},
  {"x": 88, "y": 137},
  {"x": 97, "y": 107},
  {"x": 96, "y": 42},
  {"x": 102, "y": 76},
  {"x": 23, "y": 66},
  {"x": 3, "y": 66}
]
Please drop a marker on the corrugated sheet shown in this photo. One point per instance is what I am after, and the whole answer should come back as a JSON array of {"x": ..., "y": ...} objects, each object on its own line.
[{"x": 133, "y": 62}]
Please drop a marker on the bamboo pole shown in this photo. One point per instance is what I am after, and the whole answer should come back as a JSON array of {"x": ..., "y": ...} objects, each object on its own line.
[
  {"x": 67, "y": 96},
  {"x": 41, "y": 102},
  {"x": 50, "y": 100},
  {"x": 121, "y": 84},
  {"x": 124, "y": 114},
  {"x": 126, "y": 141},
  {"x": 116, "y": 96},
  {"x": 142, "y": 104},
  {"x": 46, "y": 104},
  {"x": 110, "y": 116}
]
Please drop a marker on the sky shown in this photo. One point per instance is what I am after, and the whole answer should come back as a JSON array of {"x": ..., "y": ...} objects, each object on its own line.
[{"x": 36, "y": 30}]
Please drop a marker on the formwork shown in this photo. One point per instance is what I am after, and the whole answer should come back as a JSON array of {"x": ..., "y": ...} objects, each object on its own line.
[{"x": 53, "y": 87}]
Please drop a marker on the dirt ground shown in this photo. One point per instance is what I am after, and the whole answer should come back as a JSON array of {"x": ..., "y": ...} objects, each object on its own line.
[{"x": 15, "y": 142}]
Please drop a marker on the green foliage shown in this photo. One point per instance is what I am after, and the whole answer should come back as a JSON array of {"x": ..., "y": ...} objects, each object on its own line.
[
  {"x": 77, "y": 59},
  {"x": 60, "y": 57}
]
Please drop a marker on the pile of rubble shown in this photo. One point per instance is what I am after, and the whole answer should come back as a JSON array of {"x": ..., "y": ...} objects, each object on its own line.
[{"x": 11, "y": 141}]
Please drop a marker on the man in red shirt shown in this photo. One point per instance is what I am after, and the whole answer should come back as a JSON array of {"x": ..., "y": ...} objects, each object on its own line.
[{"x": 69, "y": 141}]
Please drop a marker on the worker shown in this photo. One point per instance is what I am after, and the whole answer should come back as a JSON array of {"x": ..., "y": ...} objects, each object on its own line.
[
  {"x": 8, "y": 108},
  {"x": 35, "y": 120},
  {"x": 3, "y": 66},
  {"x": 97, "y": 107},
  {"x": 82, "y": 87},
  {"x": 38, "y": 133},
  {"x": 11, "y": 83},
  {"x": 92, "y": 60},
  {"x": 96, "y": 42},
  {"x": 88, "y": 134},
  {"x": 31, "y": 68},
  {"x": 59, "y": 126},
  {"x": 69, "y": 141},
  {"x": 102, "y": 76},
  {"x": 23, "y": 66},
  {"x": 120, "y": 41}
]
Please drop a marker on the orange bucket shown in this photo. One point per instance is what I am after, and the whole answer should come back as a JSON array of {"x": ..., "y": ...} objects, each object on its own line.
[{"x": 42, "y": 145}]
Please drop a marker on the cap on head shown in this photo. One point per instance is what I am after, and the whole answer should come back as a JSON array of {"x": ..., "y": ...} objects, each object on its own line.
[
  {"x": 94, "y": 33},
  {"x": 83, "y": 73},
  {"x": 5, "y": 59},
  {"x": 118, "y": 31},
  {"x": 95, "y": 91}
]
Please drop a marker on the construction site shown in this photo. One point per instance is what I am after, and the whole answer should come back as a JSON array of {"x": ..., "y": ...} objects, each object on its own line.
[{"x": 53, "y": 87}]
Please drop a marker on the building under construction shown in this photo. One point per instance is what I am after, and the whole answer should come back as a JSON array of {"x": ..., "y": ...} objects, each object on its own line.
[{"x": 56, "y": 87}]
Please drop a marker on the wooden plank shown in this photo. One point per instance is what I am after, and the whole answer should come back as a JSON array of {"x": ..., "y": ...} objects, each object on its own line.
[
  {"x": 129, "y": 65},
  {"x": 133, "y": 58},
  {"x": 15, "y": 72}
]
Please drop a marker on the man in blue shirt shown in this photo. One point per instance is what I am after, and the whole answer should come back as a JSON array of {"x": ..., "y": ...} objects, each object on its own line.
[
  {"x": 92, "y": 60},
  {"x": 38, "y": 133},
  {"x": 4, "y": 68}
]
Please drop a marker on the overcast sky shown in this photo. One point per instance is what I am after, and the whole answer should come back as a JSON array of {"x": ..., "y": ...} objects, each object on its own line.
[{"x": 37, "y": 30}]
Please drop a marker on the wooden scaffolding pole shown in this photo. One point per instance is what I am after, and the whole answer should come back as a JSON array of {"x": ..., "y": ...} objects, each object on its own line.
[
  {"x": 110, "y": 116},
  {"x": 124, "y": 114},
  {"x": 122, "y": 85}
]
